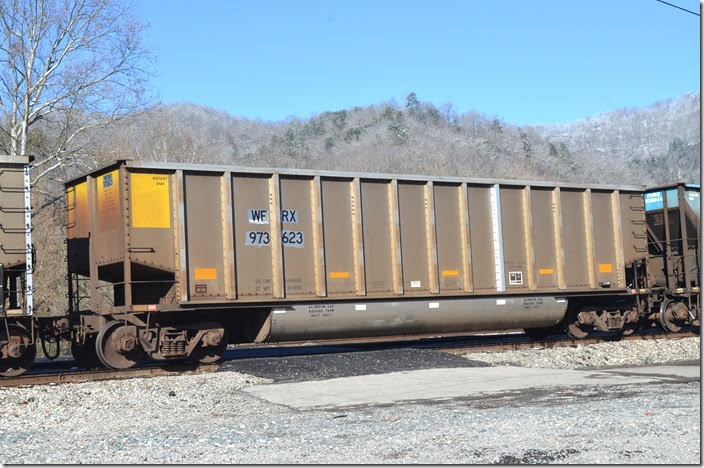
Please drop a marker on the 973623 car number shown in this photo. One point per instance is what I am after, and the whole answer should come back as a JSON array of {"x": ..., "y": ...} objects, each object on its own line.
[
  {"x": 292, "y": 239},
  {"x": 263, "y": 238}
]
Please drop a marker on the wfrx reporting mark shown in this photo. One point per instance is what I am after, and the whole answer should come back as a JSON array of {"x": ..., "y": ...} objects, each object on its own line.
[{"x": 262, "y": 216}]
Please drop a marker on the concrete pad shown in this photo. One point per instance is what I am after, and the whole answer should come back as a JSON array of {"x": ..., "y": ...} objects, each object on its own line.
[{"x": 452, "y": 383}]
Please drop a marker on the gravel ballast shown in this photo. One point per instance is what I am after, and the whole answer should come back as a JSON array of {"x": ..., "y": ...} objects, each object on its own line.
[
  {"x": 207, "y": 418},
  {"x": 596, "y": 356}
]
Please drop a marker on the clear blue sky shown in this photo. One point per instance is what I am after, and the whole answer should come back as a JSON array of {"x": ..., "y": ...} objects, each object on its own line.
[{"x": 525, "y": 61}]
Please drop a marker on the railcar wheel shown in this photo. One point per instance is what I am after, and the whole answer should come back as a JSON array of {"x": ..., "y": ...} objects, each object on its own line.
[
  {"x": 85, "y": 354},
  {"x": 21, "y": 350},
  {"x": 217, "y": 340},
  {"x": 577, "y": 324},
  {"x": 673, "y": 316},
  {"x": 116, "y": 347}
]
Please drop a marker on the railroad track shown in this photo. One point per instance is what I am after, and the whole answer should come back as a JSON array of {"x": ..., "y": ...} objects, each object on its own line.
[
  {"x": 63, "y": 370},
  {"x": 563, "y": 341}
]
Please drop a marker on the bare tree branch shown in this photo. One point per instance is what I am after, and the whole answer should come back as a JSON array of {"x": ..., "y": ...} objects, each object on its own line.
[{"x": 66, "y": 67}]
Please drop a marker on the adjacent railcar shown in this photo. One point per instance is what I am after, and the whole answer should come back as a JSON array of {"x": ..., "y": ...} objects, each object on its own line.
[
  {"x": 673, "y": 232},
  {"x": 17, "y": 343},
  {"x": 179, "y": 260}
]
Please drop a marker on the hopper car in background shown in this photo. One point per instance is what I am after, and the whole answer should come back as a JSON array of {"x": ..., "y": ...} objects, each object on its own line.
[{"x": 175, "y": 261}]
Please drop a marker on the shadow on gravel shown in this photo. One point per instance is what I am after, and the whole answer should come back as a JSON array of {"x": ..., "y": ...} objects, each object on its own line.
[
  {"x": 546, "y": 397},
  {"x": 329, "y": 366},
  {"x": 663, "y": 378},
  {"x": 535, "y": 456}
]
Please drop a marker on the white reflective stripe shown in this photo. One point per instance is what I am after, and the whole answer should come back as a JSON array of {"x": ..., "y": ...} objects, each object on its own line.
[
  {"x": 279, "y": 311},
  {"x": 28, "y": 241},
  {"x": 433, "y": 305},
  {"x": 360, "y": 307},
  {"x": 498, "y": 238},
  {"x": 501, "y": 302}
]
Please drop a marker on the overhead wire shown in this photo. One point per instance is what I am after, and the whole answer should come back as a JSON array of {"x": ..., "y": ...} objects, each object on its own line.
[{"x": 678, "y": 7}]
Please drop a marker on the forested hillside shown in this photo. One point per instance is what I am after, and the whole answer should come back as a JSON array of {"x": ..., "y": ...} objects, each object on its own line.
[
  {"x": 653, "y": 145},
  {"x": 649, "y": 145}
]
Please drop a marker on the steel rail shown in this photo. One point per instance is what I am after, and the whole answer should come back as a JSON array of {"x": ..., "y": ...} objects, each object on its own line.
[
  {"x": 564, "y": 341},
  {"x": 454, "y": 343},
  {"x": 78, "y": 376}
]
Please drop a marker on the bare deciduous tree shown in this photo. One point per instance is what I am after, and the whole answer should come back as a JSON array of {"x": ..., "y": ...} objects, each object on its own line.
[{"x": 66, "y": 66}]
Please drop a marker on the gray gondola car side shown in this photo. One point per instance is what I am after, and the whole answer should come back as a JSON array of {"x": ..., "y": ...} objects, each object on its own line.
[
  {"x": 325, "y": 254},
  {"x": 234, "y": 235}
]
